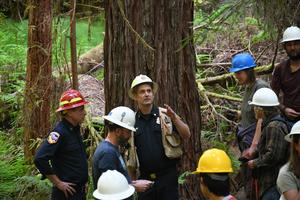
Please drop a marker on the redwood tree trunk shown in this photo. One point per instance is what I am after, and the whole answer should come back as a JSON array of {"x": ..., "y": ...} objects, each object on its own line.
[
  {"x": 166, "y": 55},
  {"x": 38, "y": 74}
]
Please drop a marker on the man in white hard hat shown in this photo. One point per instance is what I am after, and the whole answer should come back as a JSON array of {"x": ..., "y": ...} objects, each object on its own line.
[
  {"x": 120, "y": 123},
  {"x": 286, "y": 76},
  {"x": 154, "y": 164},
  {"x": 112, "y": 185},
  {"x": 272, "y": 150}
]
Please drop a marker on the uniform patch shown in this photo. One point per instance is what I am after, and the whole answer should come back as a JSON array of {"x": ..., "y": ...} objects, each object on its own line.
[{"x": 53, "y": 137}]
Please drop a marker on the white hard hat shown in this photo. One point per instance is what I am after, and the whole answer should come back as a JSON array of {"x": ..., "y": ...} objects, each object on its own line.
[
  {"x": 122, "y": 116},
  {"x": 292, "y": 33},
  {"x": 264, "y": 97},
  {"x": 112, "y": 185},
  {"x": 295, "y": 130},
  {"x": 139, "y": 80}
]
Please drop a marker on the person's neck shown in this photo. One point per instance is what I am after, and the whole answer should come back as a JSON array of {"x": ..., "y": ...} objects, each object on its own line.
[
  {"x": 111, "y": 137},
  {"x": 145, "y": 109},
  {"x": 295, "y": 64},
  {"x": 71, "y": 121}
]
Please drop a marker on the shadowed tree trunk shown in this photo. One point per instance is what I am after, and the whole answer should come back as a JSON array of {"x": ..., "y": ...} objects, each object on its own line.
[
  {"x": 154, "y": 38},
  {"x": 38, "y": 74},
  {"x": 73, "y": 45}
]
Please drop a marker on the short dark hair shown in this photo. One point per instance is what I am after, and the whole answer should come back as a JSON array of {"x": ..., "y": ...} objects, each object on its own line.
[
  {"x": 111, "y": 126},
  {"x": 217, "y": 187}
]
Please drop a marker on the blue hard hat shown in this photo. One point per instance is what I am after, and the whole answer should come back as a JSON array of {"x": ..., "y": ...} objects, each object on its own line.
[{"x": 241, "y": 62}]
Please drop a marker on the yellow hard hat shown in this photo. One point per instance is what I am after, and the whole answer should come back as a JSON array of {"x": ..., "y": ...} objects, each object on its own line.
[
  {"x": 214, "y": 161},
  {"x": 139, "y": 80}
]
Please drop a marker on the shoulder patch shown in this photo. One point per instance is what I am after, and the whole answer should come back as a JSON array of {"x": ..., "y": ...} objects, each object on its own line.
[{"x": 53, "y": 137}]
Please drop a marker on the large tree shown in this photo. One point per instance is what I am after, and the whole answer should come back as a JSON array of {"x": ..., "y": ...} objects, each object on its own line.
[
  {"x": 38, "y": 74},
  {"x": 154, "y": 37}
]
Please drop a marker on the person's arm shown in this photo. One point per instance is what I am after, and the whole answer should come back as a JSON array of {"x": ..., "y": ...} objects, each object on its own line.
[
  {"x": 276, "y": 85},
  {"x": 292, "y": 194},
  {"x": 276, "y": 147},
  {"x": 250, "y": 152},
  {"x": 66, "y": 187},
  {"x": 44, "y": 155},
  {"x": 182, "y": 128}
]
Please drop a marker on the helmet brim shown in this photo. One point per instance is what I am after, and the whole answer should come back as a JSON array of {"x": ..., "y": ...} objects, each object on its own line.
[
  {"x": 263, "y": 105},
  {"x": 289, "y": 40},
  {"x": 154, "y": 87},
  {"x": 71, "y": 106},
  {"x": 122, "y": 195},
  {"x": 119, "y": 123},
  {"x": 233, "y": 69}
]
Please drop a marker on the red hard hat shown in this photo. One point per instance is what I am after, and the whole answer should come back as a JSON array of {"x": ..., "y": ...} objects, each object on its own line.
[{"x": 71, "y": 99}]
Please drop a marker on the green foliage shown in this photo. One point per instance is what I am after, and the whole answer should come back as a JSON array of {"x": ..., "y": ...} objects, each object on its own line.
[
  {"x": 12, "y": 166},
  {"x": 13, "y": 43},
  {"x": 15, "y": 182},
  {"x": 99, "y": 74},
  {"x": 204, "y": 58},
  {"x": 183, "y": 176},
  {"x": 61, "y": 41}
]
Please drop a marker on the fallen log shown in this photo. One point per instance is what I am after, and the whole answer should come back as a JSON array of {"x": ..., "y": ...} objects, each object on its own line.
[
  {"x": 213, "y": 64},
  {"x": 265, "y": 69},
  {"x": 222, "y": 96},
  {"x": 203, "y": 93}
]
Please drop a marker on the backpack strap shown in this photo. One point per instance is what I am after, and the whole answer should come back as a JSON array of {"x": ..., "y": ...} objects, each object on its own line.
[
  {"x": 278, "y": 118},
  {"x": 165, "y": 122}
]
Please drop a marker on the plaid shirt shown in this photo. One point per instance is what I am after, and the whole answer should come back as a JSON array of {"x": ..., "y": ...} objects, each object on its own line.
[{"x": 272, "y": 152}]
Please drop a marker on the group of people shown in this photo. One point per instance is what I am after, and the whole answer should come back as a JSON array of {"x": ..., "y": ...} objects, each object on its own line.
[
  {"x": 269, "y": 122},
  {"x": 152, "y": 137}
]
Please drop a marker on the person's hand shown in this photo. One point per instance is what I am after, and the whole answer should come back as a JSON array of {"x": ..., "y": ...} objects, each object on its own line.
[
  {"x": 67, "y": 188},
  {"x": 249, "y": 153},
  {"x": 169, "y": 112},
  {"x": 291, "y": 113},
  {"x": 142, "y": 185},
  {"x": 250, "y": 164}
]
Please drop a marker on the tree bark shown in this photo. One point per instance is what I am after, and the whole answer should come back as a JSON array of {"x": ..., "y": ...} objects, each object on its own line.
[
  {"x": 154, "y": 38},
  {"x": 38, "y": 74}
]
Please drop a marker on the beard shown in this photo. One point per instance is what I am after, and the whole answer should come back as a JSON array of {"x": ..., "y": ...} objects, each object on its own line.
[
  {"x": 123, "y": 141},
  {"x": 294, "y": 56}
]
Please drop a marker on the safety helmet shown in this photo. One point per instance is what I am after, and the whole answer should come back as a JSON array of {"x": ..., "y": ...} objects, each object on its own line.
[
  {"x": 241, "y": 62},
  {"x": 214, "y": 161},
  {"x": 140, "y": 79},
  {"x": 292, "y": 33},
  {"x": 295, "y": 130},
  {"x": 264, "y": 97},
  {"x": 71, "y": 99},
  {"x": 122, "y": 116},
  {"x": 112, "y": 185}
]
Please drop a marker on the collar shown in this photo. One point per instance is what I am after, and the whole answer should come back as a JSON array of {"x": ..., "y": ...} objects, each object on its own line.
[
  {"x": 69, "y": 125},
  {"x": 154, "y": 112}
]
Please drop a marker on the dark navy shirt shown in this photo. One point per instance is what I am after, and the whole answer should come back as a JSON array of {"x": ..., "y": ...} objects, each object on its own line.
[
  {"x": 63, "y": 154},
  {"x": 148, "y": 141},
  {"x": 108, "y": 157}
]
